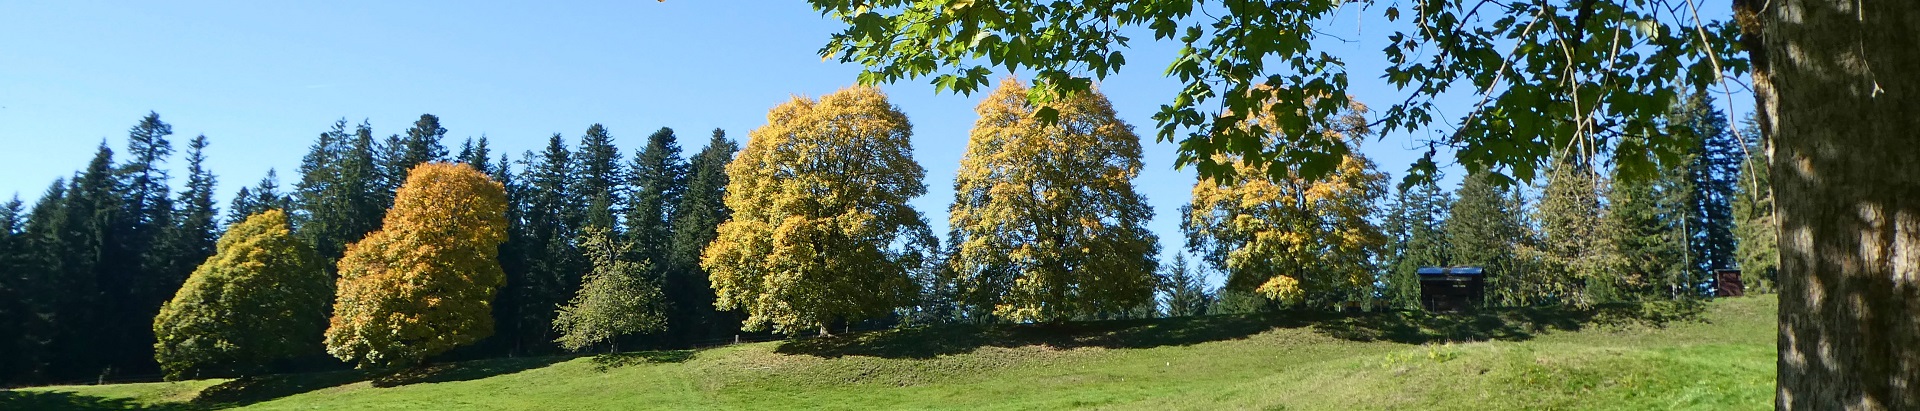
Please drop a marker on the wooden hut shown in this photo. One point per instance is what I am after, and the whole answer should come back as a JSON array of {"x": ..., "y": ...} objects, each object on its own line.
[
  {"x": 1452, "y": 289},
  {"x": 1726, "y": 283}
]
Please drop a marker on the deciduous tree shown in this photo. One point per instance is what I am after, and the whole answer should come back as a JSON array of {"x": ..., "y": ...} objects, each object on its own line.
[
  {"x": 616, "y": 298},
  {"x": 426, "y": 281},
  {"x": 261, "y": 298},
  {"x": 822, "y": 231},
  {"x": 1046, "y": 224}
]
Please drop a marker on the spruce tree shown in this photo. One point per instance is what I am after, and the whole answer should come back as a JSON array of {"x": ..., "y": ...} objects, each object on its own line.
[
  {"x": 91, "y": 287},
  {"x": 475, "y": 153},
  {"x": 1712, "y": 167},
  {"x": 137, "y": 266},
  {"x": 1644, "y": 221},
  {"x": 598, "y": 178},
  {"x": 1578, "y": 244},
  {"x": 263, "y": 196},
  {"x": 657, "y": 177},
  {"x": 196, "y": 221},
  {"x": 701, "y": 209},
  {"x": 1482, "y": 229},
  {"x": 1185, "y": 289},
  {"x": 14, "y": 308},
  {"x": 553, "y": 264},
  {"x": 1415, "y": 226},
  {"x": 1755, "y": 224},
  {"x": 40, "y": 286},
  {"x": 339, "y": 198}
]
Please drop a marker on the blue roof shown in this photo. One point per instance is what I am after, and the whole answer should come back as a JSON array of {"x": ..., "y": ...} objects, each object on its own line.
[{"x": 1449, "y": 271}]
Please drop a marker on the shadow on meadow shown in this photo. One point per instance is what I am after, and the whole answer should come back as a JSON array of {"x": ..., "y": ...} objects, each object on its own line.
[
  {"x": 609, "y": 361},
  {"x": 67, "y": 401},
  {"x": 248, "y": 390},
  {"x": 1408, "y": 327}
]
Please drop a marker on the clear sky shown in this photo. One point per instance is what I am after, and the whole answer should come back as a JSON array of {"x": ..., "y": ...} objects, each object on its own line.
[{"x": 262, "y": 79}]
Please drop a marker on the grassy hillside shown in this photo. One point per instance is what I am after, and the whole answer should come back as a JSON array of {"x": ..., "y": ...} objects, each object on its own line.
[{"x": 1618, "y": 358}]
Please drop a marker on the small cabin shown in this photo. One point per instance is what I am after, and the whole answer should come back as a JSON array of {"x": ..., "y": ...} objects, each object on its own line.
[
  {"x": 1452, "y": 289},
  {"x": 1726, "y": 283}
]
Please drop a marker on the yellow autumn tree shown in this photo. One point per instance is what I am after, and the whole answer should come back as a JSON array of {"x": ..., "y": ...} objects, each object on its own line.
[
  {"x": 425, "y": 282},
  {"x": 261, "y": 297},
  {"x": 821, "y": 230},
  {"x": 1290, "y": 239},
  {"x": 1046, "y": 223}
]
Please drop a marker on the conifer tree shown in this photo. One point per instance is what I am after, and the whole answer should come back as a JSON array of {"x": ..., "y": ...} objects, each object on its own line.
[
  {"x": 1046, "y": 223},
  {"x": 82, "y": 240},
  {"x": 196, "y": 221},
  {"x": 1185, "y": 288},
  {"x": 657, "y": 177},
  {"x": 702, "y": 207},
  {"x": 136, "y": 264},
  {"x": 15, "y": 309},
  {"x": 1483, "y": 229},
  {"x": 615, "y": 298},
  {"x": 822, "y": 231},
  {"x": 1755, "y": 224},
  {"x": 262, "y": 298},
  {"x": 426, "y": 281},
  {"x": 339, "y": 196},
  {"x": 40, "y": 285},
  {"x": 476, "y": 153},
  {"x": 421, "y": 144},
  {"x": 1415, "y": 228},
  {"x": 263, "y": 196},
  {"x": 1578, "y": 243},
  {"x": 553, "y": 264},
  {"x": 1644, "y": 220},
  {"x": 598, "y": 178},
  {"x": 1707, "y": 186}
]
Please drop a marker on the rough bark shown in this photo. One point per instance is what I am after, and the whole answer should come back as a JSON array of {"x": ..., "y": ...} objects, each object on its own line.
[{"x": 1844, "y": 114}]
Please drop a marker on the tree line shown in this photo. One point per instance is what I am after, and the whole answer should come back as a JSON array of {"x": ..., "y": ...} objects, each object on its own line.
[{"x": 805, "y": 229}]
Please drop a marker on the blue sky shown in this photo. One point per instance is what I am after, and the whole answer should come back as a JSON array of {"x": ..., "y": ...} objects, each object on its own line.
[{"x": 262, "y": 79}]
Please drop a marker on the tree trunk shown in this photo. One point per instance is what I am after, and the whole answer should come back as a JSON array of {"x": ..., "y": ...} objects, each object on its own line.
[{"x": 1840, "y": 95}]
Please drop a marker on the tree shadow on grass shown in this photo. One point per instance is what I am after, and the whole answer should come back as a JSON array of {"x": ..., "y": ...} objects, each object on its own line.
[
  {"x": 604, "y": 362},
  {"x": 248, "y": 390},
  {"x": 68, "y": 401},
  {"x": 1409, "y": 327},
  {"x": 464, "y": 371}
]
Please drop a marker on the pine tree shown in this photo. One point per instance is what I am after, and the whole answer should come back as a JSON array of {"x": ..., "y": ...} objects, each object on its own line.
[
  {"x": 1712, "y": 170},
  {"x": 696, "y": 218},
  {"x": 1755, "y": 224},
  {"x": 196, "y": 221},
  {"x": 616, "y": 298},
  {"x": 137, "y": 266},
  {"x": 426, "y": 281},
  {"x": 1185, "y": 288},
  {"x": 832, "y": 178},
  {"x": 339, "y": 197},
  {"x": 1415, "y": 226},
  {"x": 598, "y": 178},
  {"x": 475, "y": 153},
  {"x": 1046, "y": 223},
  {"x": 262, "y": 298},
  {"x": 553, "y": 264},
  {"x": 657, "y": 177},
  {"x": 263, "y": 196},
  {"x": 1483, "y": 229}
]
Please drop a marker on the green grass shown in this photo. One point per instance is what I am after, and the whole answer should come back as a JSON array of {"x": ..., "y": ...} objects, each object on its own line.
[{"x": 1617, "y": 358}]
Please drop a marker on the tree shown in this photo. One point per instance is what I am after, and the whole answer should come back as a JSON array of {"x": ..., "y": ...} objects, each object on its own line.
[
  {"x": 79, "y": 240},
  {"x": 1484, "y": 229},
  {"x": 1046, "y": 224},
  {"x": 696, "y": 219},
  {"x": 261, "y": 298},
  {"x": 1645, "y": 220},
  {"x": 264, "y": 196},
  {"x": 1581, "y": 240},
  {"x": 136, "y": 266},
  {"x": 821, "y": 229},
  {"x": 615, "y": 298},
  {"x": 1711, "y": 170},
  {"x": 1291, "y": 238},
  {"x": 425, "y": 282},
  {"x": 476, "y": 154},
  {"x": 1415, "y": 226},
  {"x": 1186, "y": 290},
  {"x": 1755, "y": 225},
  {"x": 658, "y": 178},
  {"x": 15, "y": 307},
  {"x": 1831, "y": 117},
  {"x": 197, "y": 220},
  {"x": 552, "y": 264},
  {"x": 598, "y": 178},
  {"x": 339, "y": 198},
  {"x": 420, "y": 145}
]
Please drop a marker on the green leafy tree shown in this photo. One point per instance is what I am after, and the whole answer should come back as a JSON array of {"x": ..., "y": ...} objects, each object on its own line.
[
  {"x": 1046, "y": 224},
  {"x": 822, "y": 231},
  {"x": 262, "y": 297},
  {"x": 425, "y": 282},
  {"x": 616, "y": 298}
]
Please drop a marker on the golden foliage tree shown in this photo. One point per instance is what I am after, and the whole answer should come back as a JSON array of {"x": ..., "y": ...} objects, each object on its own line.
[
  {"x": 1046, "y": 224},
  {"x": 425, "y": 282},
  {"x": 1288, "y": 238},
  {"x": 821, "y": 229},
  {"x": 261, "y": 297}
]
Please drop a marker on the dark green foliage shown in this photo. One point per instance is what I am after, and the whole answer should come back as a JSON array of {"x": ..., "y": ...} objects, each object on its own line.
[
  {"x": 695, "y": 218},
  {"x": 1415, "y": 226},
  {"x": 598, "y": 178},
  {"x": 261, "y": 197},
  {"x": 1645, "y": 223},
  {"x": 421, "y": 144},
  {"x": 1229, "y": 301},
  {"x": 136, "y": 265},
  {"x": 1755, "y": 226},
  {"x": 658, "y": 177},
  {"x": 1185, "y": 289},
  {"x": 15, "y": 309},
  {"x": 475, "y": 154},
  {"x": 1578, "y": 249},
  {"x": 1712, "y": 170},
  {"x": 196, "y": 221},
  {"x": 552, "y": 266},
  {"x": 1483, "y": 226},
  {"x": 339, "y": 198}
]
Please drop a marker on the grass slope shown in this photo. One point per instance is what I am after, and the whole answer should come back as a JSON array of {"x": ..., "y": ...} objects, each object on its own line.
[{"x": 1526, "y": 359}]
